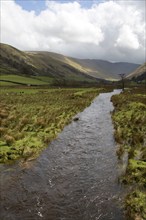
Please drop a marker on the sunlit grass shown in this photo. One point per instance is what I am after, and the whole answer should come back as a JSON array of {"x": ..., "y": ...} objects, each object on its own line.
[
  {"x": 7, "y": 83},
  {"x": 22, "y": 79}
]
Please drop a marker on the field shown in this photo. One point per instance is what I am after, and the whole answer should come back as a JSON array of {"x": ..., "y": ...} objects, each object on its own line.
[
  {"x": 16, "y": 79},
  {"x": 130, "y": 132},
  {"x": 31, "y": 118}
]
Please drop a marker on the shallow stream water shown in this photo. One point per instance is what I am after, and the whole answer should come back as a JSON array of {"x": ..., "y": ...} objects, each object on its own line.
[{"x": 75, "y": 178}]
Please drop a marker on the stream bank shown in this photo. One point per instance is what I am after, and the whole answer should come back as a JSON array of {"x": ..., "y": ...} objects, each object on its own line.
[{"x": 76, "y": 177}]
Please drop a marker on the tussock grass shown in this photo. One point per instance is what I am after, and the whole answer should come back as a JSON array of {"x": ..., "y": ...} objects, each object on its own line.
[
  {"x": 130, "y": 132},
  {"x": 31, "y": 118}
]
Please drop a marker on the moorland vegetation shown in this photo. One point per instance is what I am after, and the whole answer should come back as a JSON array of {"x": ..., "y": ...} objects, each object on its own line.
[
  {"x": 129, "y": 119},
  {"x": 31, "y": 118}
]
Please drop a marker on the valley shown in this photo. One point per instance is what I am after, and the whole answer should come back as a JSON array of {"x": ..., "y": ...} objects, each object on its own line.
[
  {"x": 72, "y": 110},
  {"x": 56, "y": 69},
  {"x": 41, "y": 94}
]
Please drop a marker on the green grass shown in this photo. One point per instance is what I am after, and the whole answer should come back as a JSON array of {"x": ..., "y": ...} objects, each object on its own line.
[
  {"x": 22, "y": 79},
  {"x": 136, "y": 205},
  {"x": 31, "y": 118},
  {"x": 46, "y": 79},
  {"x": 69, "y": 80},
  {"x": 130, "y": 132},
  {"x": 7, "y": 84}
]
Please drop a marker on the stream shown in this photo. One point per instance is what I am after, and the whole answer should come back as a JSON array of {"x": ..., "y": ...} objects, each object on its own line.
[{"x": 75, "y": 178}]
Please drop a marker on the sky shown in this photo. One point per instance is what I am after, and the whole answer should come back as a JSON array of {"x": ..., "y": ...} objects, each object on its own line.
[{"x": 111, "y": 30}]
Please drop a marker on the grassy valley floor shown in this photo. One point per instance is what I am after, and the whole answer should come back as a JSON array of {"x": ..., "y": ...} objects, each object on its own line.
[
  {"x": 31, "y": 118},
  {"x": 130, "y": 132}
]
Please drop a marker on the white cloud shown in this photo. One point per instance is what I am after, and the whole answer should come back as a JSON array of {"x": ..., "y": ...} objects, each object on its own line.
[
  {"x": 112, "y": 30},
  {"x": 127, "y": 38}
]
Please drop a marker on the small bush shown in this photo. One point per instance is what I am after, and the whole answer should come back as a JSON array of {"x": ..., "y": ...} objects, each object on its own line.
[{"x": 9, "y": 140}]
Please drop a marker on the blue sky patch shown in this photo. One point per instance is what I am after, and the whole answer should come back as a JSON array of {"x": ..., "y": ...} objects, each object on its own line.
[
  {"x": 32, "y": 5},
  {"x": 40, "y": 5}
]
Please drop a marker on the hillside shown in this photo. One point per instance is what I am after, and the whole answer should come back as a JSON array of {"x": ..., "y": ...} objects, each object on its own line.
[
  {"x": 139, "y": 74},
  {"x": 39, "y": 65},
  {"x": 105, "y": 69},
  {"x": 53, "y": 67}
]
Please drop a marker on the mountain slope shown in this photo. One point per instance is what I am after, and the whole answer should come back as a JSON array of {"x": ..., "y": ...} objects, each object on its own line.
[
  {"x": 139, "y": 74},
  {"x": 13, "y": 61},
  {"x": 107, "y": 70},
  {"x": 59, "y": 67}
]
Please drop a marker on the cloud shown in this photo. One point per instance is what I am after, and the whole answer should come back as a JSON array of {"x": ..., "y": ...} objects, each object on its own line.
[
  {"x": 111, "y": 30},
  {"x": 127, "y": 38}
]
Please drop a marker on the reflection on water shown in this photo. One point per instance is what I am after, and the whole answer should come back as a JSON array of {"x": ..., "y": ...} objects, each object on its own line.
[{"x": 75, "y": 178}]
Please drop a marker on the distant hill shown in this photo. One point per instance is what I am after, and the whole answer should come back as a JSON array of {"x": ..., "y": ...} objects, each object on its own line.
[
  {"x": 139, "y": 74},
  {"x": 105, "y": 69},
  {"x": 58, "y": 67}
]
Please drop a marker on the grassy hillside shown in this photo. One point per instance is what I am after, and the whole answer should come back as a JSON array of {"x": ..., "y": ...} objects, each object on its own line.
[
  {"x": 39, "y": 64},
  {"x": 105, "y": 69},
  {"x": 60, "y": 68},
  {"x": 139, "y": 74}
]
